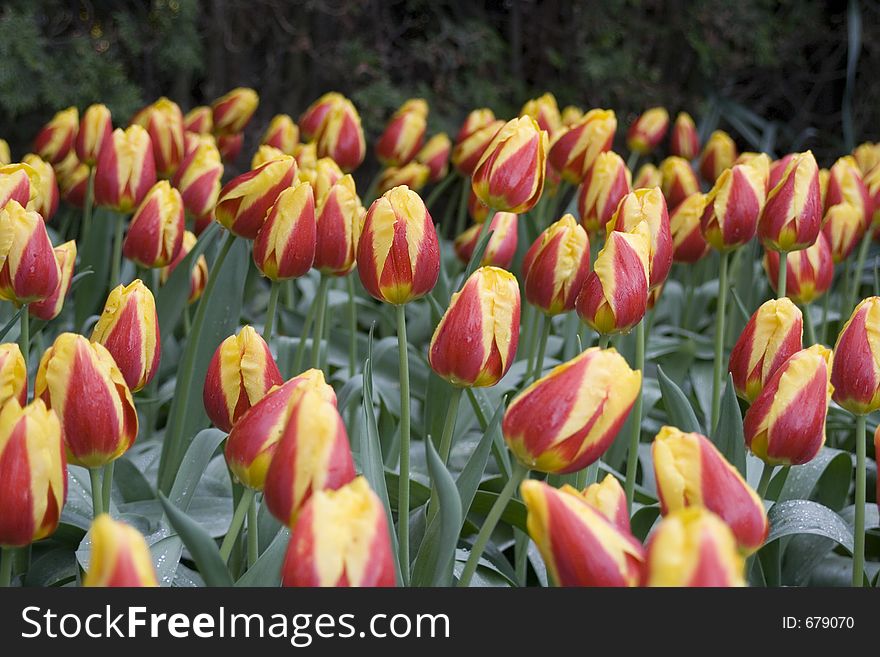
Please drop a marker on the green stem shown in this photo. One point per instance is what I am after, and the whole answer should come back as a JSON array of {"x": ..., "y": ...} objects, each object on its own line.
[
  {"x": 88, "y": 207},
  {"x": 271, "y": 309},
  {"x": 116, "y": 261},
  {"x": 320, "y": 316},
  {"x": 304, "y": 338},
  {"x": 97, "y": 500},
  {"x": 521, "y": 556},
  {"x": 517, "y": 474},
  {"x": 290, "y": 294},
  {"x": 604, "y": 339},
  {"x": 766, "y": 476},
  {"x": 859, "y": 538},
  {"x": 857, "y": 274},
  {"x": 253, "y": 533},
  {"x": 403, "y": 491},
  {"x": 6, "y": 558},
  {"x": 631, "y": 162},
  {"x": 547, "y": 323},
  {"x": 187, "y": 323},
  {"x": 808, "y": 324},
  {"x": 826, "y": 306},
  {"x": 237, "y": 521},
  {"x": 782, "y": 278},
  {"x": 632, "y": 458},
  {"x": 352, "y": 326},
  {"x": 24, "y": 337},
  {"x": 461, "y": 214},
  {"x": 449, "y": 423},
  {"x": 532, "y": 343},
  {"x": 718, "y": 378},
  {"x": 107, "y": 486},
  {"x": 439, "y": 188}
]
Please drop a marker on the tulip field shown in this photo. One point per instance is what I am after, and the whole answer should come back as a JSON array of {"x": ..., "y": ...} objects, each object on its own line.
[{"x": 555, "y": 350}]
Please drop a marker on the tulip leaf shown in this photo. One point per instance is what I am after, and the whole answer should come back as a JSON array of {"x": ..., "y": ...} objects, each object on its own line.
[
  {"x": 728, "y": 435},
  {"x": 479, "y": 250},
  {"x": 94, "y": 253},
  {"x": 468, "y": 481},
  {"x": 514, "y": 513},
  {"x": 199, "y": 453},
  {"x": 794, "y": 517},
  {"x": 12, "y": 321},
  {"x": 826, "y": 479},
  {"x": 678, "y": 409},
  {"x": 267, "y": 570}
]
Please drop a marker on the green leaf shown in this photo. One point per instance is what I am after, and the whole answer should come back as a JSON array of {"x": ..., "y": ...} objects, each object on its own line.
[
  {"x": 794, "y": 517},
  {"x": 468, "y": 481},
  {"x": 94, "y": 253},
  {"x": 826, "y": 479},
  {"x": 728, "y": 435},
  {"x": 54, "y": 567},
  {"x": 514, "y": 513},
  {"x": 199, "y": 453},
  {"x": 267, "y": 570},
  {"x": 130, "y": 482},
  {"x": 12, "y": 321},
  {"x": 678, "y": 409}
]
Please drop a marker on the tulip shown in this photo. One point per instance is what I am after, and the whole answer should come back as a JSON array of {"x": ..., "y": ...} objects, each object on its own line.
[
  {"x": 50, "y": 307},
  {"x": 33, "y": 472},
  {"x": 125, "y": 170},
  {"x": 867, "y": 156},
  {"x": 338, "y": 229},
  {"x": 414, "y": 175},
  {"x": 13, "y": 374},
  {"x": 95, "y": 129},
  {"x": 322, "y": 174},
  {"x": 684, "y": 140},
  {"x": 733, "y": 206},
  {"x": 5, "y": 155},
  {"x": 265, "y": 153},
  {"x": 647, "y": 205},
  {"x": 313, "y": 118},
  {"x": 844, "y": 228},
  {"x": 404, "y": 134},
  {"x": 342, "y": 540},
  {"x": 239, "y": 375},
  {"x": 155, "y": 234},
  {"x": 245, "y": 200},
  {"x": 785, "y": 425},
  {"x": 872, "y": 184},
  {"x": 478, "y": 118},
  {"x": 544, "y": 111},
  {"x": 614, "y": 296},
  {"x": 607, "y": 181},
  {"x": 678, "y": 180},
  {"x": 73, "y": 181},
  {"x": 198, "y": 179},
  {"x": 199, "y": 120},
  {"x": 19, "y": 182},
  {"x": 29, "y": 271},
  {"x": 648, "y": 130},
  {"x": 688, "y": 242},
  {"x": 468, "y": 151},
  {"x": 856, "y": 374},
  {"x": 792, "y": 214},
  {"x": 285, "y": 246},
  {"x": 559, "y": 262},
  {"x": 845, "y": 185},
  {"x": 693, "y": 547},
  {"x": 690, "y": 471},
  {"x": 475, "y": 342},
  {"x": 647, "y": 177},
  {"x": 809, "y": 273},
  {"x": 609, "y": 499},
  {"x": 56, "y": 139},
  {"x": 341, "y": 136},
  {"x": 501, "y": 247},
  {"x": 81, "y": 382},
  {"x": 282, "y": 134},
  {"x": 230, "y": 146},
  {"x": 719, "y": 154},
  {"x": 48, "y": 196},
  {"x": 163, "y": 121},
  {"x": 435, "y": 155},
  {"x": 198, "y": 273},
  {"x": 477, "y": 210},
  {"x": 232, "y": 111},
  {"x": 571, "y": 114},
  {"x": 578, "y": 544},
  {"x": 574, "y": 150},
  {"x": 773, "y": 334},
  {"x": 120, "y": 556}
]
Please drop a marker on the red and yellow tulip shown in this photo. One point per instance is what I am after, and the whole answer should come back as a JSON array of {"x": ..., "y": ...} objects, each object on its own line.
[
  {"x": 469, "y": 150},
  {"x": 198, "y": 178},
  {"x": 155, "y": 234},
  {"x": 13, "y": 374},
  {"x": 435, "y": 155},
  {"x": 245, "y": 200},
  {"x": 414, "y": 175},
  {"x": 844, "y": 228},
  {"x": 163, "y": 121},
  {"x": 199, "y": 120},
  {"x": 856, "y": 372},
  {"x": 120, "y": 556},
  {"x": 28, "y": 269},
  {"x": 476, "y": 119},
  {"x": 647, "y": 177},
  {"x": 649, "y": 206},
  {"x": 734, "y": 204},
  {"x": 95, "y": 128},
  {"x": 606, "y": 182},
  {"x": 809, "y": 272},
  {"x": 341, "y": 136},
  {"x": 845, "y": 185},
  {"x": 545, "y": 111},
  {"x": 50, "y": 307},
  {"x": 575, "y": 149},
  {"x": 688, "y": 243},
  {"x": 47, "y": 195},
  {"x": 792, "y": 214},
  {"x": 678, "y": 180},
  {"x": 19, "y": 182},
  {"x": 56, "y": 139},
  {"x": 233, "y": 111},
  {"x": 648, "y": 130},
  {"x": 404, "y": 134},
  {"x": 719, "y": 154},
  {"x": 198, "y": 277},
  {"x": 311, "y": 120},
  {"x": 285, "y": 246},
  {"x": 609, "y": 499},
  {"x": 501, "y": 247},
  {"x": 125, "y": 170},
  {"x": 282, "y": 134},
  {"x": 339, "y": 217},
  {"x": 684, "y": 141},
  {"x": 558, "y": 265}
]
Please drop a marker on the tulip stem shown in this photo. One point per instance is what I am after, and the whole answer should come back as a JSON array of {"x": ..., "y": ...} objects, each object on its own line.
[
  {"x": 403, "y": 481},
  {"x": 439, "y": 188},
  {"x": 782, "y": 278},
  {"x": 271, "y": 309},
  {"x": 808, "y": 323},
  {"x": 604, "y": 339},
  {"x": 718, "y": 378},
  {"x": 764, "y": 483},
  {"x": 632, "y": 458},
  {"x": 97, "y": 500},
  {"x": 107, "y": 486},
  {"x": 237, "y": 521},
  {"x": 546, "y": 325},
  {"x": 88, "y": 206},
  {"x": 632, "y": 161},
  {"x": 518, "y": 473},
  {"x": 352, "y": 326},
  {"x": 826, "y": 306},
  {"x": 303, "y": 339},
  {"x": 530, "y": 337},
  {"x": 253, "y": 535},
  {"x": 446, "y": 441},
  {"x": 461, "y": 215},
  {"x": 6, "y": 558},
  {"x": 859, "y": 538},
  {"x": 857, "y": 274},
  {"x": 115, "y": 263},
  {"x": 320, "y": 316},
  {"x": 24, "y": 337}
]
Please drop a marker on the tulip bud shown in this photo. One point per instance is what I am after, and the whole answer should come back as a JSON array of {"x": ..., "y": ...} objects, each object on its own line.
[
  {"x": 684, "y": 225},
  {"x": 856, "y": 375},
  {"x": 793, "y": 212},
  {"x": 73, "y": 179},
  {"x": 809, "y": 273},
  {"x": 648, "y": 130},
  {"x": 614, "y": 296},
  {"x": 230, "y": 146},
  {"x": 501, "y": 247},
  {"x": 777, "y": 170},
  {"x": 398, "y": 254},
  {"x": 29, "y": 271},
  {"x": 468, "y": 151},
  {"x": 733, "y": 206},
  {"x": 574, "y": 150},
  {"x": 155, "y": 233},
  {"x": 475, "y": 342},
  {"x": 198, "y": 179},
  {"x": 339, "y": 216},
  {"x": 50, "y": 307},
  {"x": 5, "y": 154},
  {"x": 120, "y": 556},
  {"x": 435, "y": 156},
  {"x": 571, "y": 114},
  {"x": 845, "y": 185},
  {"x": 199, "y": 120},
  {"x": 198, "y": 274},
  {"x": 606, "y": 182},
  {"x": 773, "y": 334},
  {"x": 95, "y": 129},
  {"x": 313, "y": 118},
  {"x": 341, "y": 136},
  {"x": 693, "y": 547},
  {"x": 163, "y": 121},
  {"x": 13, "y": 374},
  {"x": 690, "y": 471},
  {"x": 566, "y": 420},
  {"x": 56, "y": 139},
  {"x": 239, "y": 375},
  {"x": 282, "y": 134},
  {"x": 322, "y": 175},
  {"x": 341, "y": 539},
  {"x": 48, "y": 196},
  {"x": 578, "y": 544},
  {"x": 872, "y": 184},
  {"x": 719, "y": 154},
  {"x": 678, "y": 180},
  {"x": 414, "y": 175},
  {"x": 609, "y": 499},
  {"x": 647, "y": 177},
  {"x": 125, "y": 171},
  {"x": 867, "y": 156},
  {"x": 232, "y": 111},
  {"x": 265, "y": 154},
  {"x": 647, "y": 205},
  {"x": 684, "y": 140},
  {"x": 844, "y": 228},
  {"x": 785, "y": 425},
  {"x": 33, "y": 472},
  {"x": 245, "y": 200},
  {"x": 544, "y": 111},
  {"x": 19, "y": 182},
  {"x": 478, "y": 118},
  {"x": 559, "y": 261},
  {"x": 404, "y": 134},
  {"x": 285, "y": 246}
]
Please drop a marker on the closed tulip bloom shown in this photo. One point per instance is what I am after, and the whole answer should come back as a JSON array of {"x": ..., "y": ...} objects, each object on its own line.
[
  {"x": 867, "y": 156},
  {"x": 777, "y": 170},
  {"x": 56, "y": 139},
  {"x": 475, "y": 342},
  {"x": 510, "y": 175},
  {"x": 341, "y": 540},
  {"x": 733, "y": 207},
  {"x": 239, "y": 375},
  {"x": 311, "y": 120},
  {"x": 50, "y": 307},
  {"x": 688, "y": 243},
  {"x": 501, "y": 247},
  {"x": 678, "y": 180},
  {"x": 844, "y": 228},
  {"x": 559, "y": 261},
  {"x": 545, "y": 111},
  {"x": 647, "y": 177},
  {"x": 233, "y": 111},
  {"x": 856, "y": 373},
  {"x": 199, "y": 120},
  {"x": 477, "y": 210},
  {"x": 647, "y": 205},
  {"x": 125, "y": 171},
  {"x": 607, "y": 181},
  {"x": 198, "y": 179},
  {"x": 872, "y": 184},
  {"x": 809, "y": 273},
  {"x": 341, "y": 137},
  {"x": 19, "y": 182},
  {"x": 845, "y": 185},
  {"x": 614, "y": 296},
  {"x": 282, "y": 134},
  {"x": 48, "y": 196},
  {"x": 693, "y": 547},
  {"x": 265, "y": 153},
  {"x": 468, "y": 151},
  {"x": 73, "y": 181},
  {"x": 339, "y": 215},
  {"x": 435, "y": 155},
  {"x": 571, "y": 114},
  {"x": 719, "y": 154},
  {"x": 13, "y": 374},
  {"x": 155, "y": 233},
  {"x": 773, "y": 334},
  {"x": 690, "y": 471},
  {"x": 684, "y": 140},
  {"x": 230, "y": 146},
  {"x": 285, "y": 246},
  {"x": 95, "y": 128},
  {"x": 647, "y": 131},
  {"x": 5, "y": 154},
  {"x": 321, "y": 174},
  {"x": 566, "y": 420},
  {"x": 120, "y": 556},
  {"x": 785, "y": 425},
  {"x": 793, "y": 212},
  {"x": 404, "y": 134},
  {"x": 198, "y": 273},
  {"x": 33, "y": 473},
  {"x": 609, "y": 499},
  {"x": 414, "y": 175},
  {"x": 476, "y": 119},
  {"x": 81, "y": 382},
  {"x": 574, "y": 150},
  {"x": 245, "y": 200},
  {"x": 163, "y": 121},
  {"x": 28, "y": 269},
  {"x": 579, "y": 545},
  {"x": 398, "y": 253}
]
